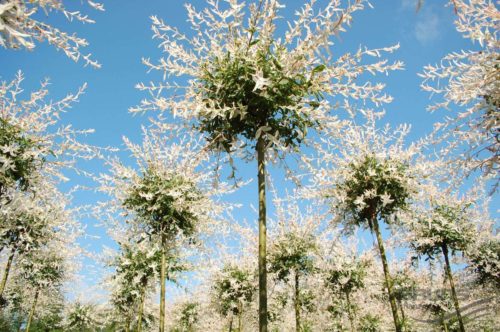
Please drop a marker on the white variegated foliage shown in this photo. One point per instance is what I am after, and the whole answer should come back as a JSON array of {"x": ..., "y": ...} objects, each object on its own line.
[{"x": 22, "y": 25}]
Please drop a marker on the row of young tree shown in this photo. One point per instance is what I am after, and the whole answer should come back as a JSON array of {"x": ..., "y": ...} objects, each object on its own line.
[{"x": 255, "y": 95}]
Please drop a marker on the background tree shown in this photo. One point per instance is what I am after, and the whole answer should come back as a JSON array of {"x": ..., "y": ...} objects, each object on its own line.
[
  {"x": 445, "y": 229},
  {"x": 485, "y": 261},
  {"x": 166, "y": 199},
  {"x": 36, "y": 154},
  {"x": 439, "y": 306},
  {"x": 369, "y": 323},
  {"x": 189, "y": 315},
  {"x": 162, "y": 202},
  {"x": 367, "y": 177},
  {"x": 31, "y": 222},
  {"x": 292, "y": 254},
  {"x": 81, "y": 318},
  {"x": 19, "y": 301},
  {"x": 233, "y": 288},
  {"x": 42, "y": 269},
  {"x": 16, "y": 156},
  {"x": 248, "y": 87},
  {"x": 136, "y": 267},
  {"x": 404, "y": 288},
  {"x": 345, "y": 278},
  {"x": 33, "y": 146}
]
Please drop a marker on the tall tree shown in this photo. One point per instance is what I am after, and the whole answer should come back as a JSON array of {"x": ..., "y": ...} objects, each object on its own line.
[
  {"x": 166, "y": 199},
  {"x": 162, "y": 201},
  {"x": 249, "y": 87},
  {"x": 370, "y": 177}
]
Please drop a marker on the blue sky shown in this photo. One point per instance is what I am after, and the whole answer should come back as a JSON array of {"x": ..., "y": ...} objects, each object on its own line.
[{"x": 121, "y": 36}]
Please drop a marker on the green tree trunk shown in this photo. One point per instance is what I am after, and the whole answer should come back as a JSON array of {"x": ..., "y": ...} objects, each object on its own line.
[
  {"x": 297, "y": 303},
  {"x": 261, "y": 147},
  {"x": 387, "y": 274},
  {"x": 141, "y": 310},
  {"x": 240, "y": 313},
  {"x": 6, "y": 271},
  {"x": 349, "y": 311},
  {"x": 162, "y": 284},
  {"x": 127, "y": 324},
  {"x": 231, "y": 324},
  {"x": 445, "y": 326},
  {"x": 403, "y": 317},
  {"x": 452, "y": 286},
  {"x": 32, "y": 312}
]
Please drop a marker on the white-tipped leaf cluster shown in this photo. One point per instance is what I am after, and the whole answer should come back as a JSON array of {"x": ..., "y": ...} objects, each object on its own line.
[
  {"x": 22, "y": 25},
  {"x": 468, "y": 83},
  {"x": 241, "y": 79}
]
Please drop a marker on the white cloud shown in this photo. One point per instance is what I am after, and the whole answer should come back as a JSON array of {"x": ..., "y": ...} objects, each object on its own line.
[
  {"x": 427, "y": 28},
  {"x": 409, "y": 4}
]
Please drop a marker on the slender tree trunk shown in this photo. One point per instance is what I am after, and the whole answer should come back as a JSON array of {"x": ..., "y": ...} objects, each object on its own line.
[
  {"x": 32, "y": 312},
  {"x": 141, "y": 310},
  {"x": 387, "y": 274},
  {"x": 297, "y": 302},
  {"x": 127, "y": 324},
  {"x": 403, "y": 317},
  {"x": 452, "y": 286},
  {"x": 162, "y": 284},
  {"x": 6, "y": 271},
  {"x": 443, "y": 322},
  {"x": 240, "y": 313},
  {"x": 261, "y": 146},
  {"x": 231, "y": 324},
  {"x": 349, "y": 311}
]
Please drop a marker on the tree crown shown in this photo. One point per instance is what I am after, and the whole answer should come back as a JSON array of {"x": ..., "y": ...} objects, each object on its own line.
[
  {"x": 374, "y": 187},
  {"x": 163, "y": 202},
  {"x": 292, "y": 253}
]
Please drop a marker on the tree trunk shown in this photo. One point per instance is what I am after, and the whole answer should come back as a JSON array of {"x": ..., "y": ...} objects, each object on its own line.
[
  {"x": 141, "y": 310},
  {"x": 403, "y": 317},
  {"x": 297, "y": 302},
  {"x": 231, "y": 324},
  {"x": 387, "y": 274},
  {"x": 452, "y": 286},
  {"x": 6, "y": 271},
  {"x": 127, "y": 324},
  {"x": 162, "y": 284},
  {"x": 349, "y": 311},
  {"x": 261, "y": 146},
  {"x": 240, "y": 313},
  {"x": 445, "y": 327},
  {"x": 32, "y": 312}
]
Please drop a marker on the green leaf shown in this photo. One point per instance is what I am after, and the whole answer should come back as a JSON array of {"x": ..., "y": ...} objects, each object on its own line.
[
  {"x": 254, "y": 42},
  {"x": 319, "y": 69}
]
